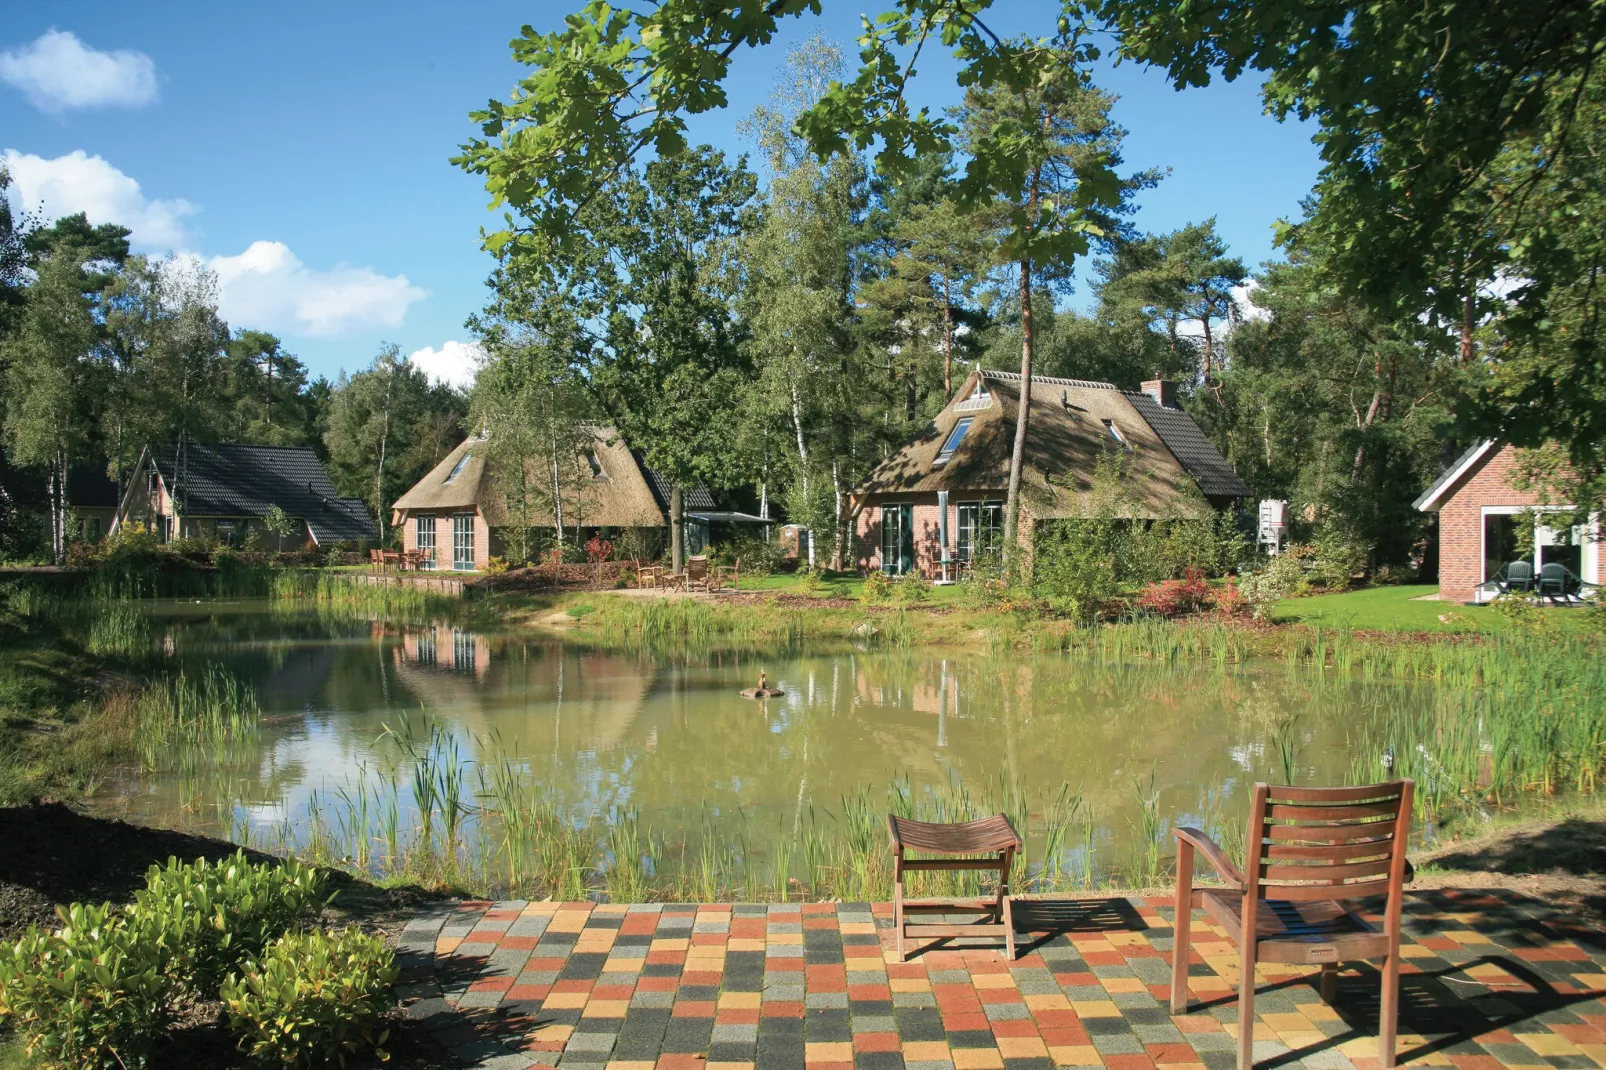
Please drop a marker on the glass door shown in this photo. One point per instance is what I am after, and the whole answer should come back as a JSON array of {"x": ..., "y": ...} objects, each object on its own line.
[
  {"x": 897, "y": 539},
  {"x": 463, "y": 542},
  {"x": 426, "y": 540}
]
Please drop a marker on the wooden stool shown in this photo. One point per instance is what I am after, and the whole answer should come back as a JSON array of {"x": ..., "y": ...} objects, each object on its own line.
[{"x": 991, "y": 836}]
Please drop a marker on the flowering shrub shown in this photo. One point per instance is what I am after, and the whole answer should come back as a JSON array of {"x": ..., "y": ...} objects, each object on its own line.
[{"x": 1176, "y": 598}]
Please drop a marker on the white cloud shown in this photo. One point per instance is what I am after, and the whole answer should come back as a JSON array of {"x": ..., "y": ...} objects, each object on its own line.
[
  {"x": 454, "y": 363},
  {"x": 267, "y": 286},
  {"x": 78, "y": 182},
  {"x": 58, "y": 72}
]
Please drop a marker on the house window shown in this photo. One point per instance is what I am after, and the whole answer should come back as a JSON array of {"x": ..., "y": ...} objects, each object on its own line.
[
  {"x": 463, "y": 650},
  {"x": 897, "y": 539},
  {"x": 955, "y": 437},
  {"x": 226, "y": 532},
  {"x": 980, "y": 527},
  {"x": 1115, "y": 435},
  {"x": 463, "y": 542},
  {"x": 425, "y": 532},
  {"x": 457, "y": 469}
]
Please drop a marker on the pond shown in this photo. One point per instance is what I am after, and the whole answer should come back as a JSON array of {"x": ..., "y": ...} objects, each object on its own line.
[{"x": 362, "y": 719}]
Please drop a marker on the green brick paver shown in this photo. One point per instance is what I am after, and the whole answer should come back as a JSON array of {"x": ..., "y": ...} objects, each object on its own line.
[{"x": 1490, "y": 981}]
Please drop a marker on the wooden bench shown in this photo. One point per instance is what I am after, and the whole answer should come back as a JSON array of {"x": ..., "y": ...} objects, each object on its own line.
[{"x": 956, "y": 847}]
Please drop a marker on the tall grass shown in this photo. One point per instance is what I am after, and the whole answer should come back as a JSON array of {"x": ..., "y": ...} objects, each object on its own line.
[
  {"x": 186, "y": 723},
  {"x": 296, "y": 589}
]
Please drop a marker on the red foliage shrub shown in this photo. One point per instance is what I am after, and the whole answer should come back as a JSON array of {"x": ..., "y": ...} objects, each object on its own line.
[
  {"x": 1177, "y": 598},
  {"x": 1230, "y": 601},
  {"x": 599, "y": 549}
]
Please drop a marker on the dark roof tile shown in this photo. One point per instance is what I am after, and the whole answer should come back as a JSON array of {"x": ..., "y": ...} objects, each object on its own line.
[
  {"x": 1191, "y": 448},
  {"x": 239, "y": 480}
]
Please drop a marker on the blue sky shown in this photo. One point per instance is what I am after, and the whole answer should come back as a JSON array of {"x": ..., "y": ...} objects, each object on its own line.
[{"x": 301, "y": 149}]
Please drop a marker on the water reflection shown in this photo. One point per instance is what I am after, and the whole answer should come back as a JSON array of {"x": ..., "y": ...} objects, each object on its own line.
[{"x": 670, "y": 737}]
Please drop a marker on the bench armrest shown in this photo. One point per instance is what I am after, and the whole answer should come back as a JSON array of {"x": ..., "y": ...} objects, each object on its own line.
[{"x": 1213, "y": 854}]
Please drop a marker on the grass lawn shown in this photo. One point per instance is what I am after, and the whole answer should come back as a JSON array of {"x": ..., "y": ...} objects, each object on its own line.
[{"x": 1395, "y": 609}]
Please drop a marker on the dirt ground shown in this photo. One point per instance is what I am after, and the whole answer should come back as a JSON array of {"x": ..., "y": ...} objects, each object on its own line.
[{"x": 1561, "y": 861}]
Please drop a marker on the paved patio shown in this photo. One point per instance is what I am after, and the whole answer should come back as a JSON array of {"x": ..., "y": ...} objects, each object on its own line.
[{"x": 1490, "y": 981}]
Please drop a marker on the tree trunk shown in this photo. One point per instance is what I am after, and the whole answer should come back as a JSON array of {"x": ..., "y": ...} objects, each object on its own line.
[
  {"x": 557, "y": 494},
  {"x": 1017, "y": 456},
  {"x": 1209, "y": 353},
  {"x": 837, "y": 530},
  {"x": 677, "y": 528},
  {"x": 1466, "y": 329},
  {"x": 379, "y": 473},
  {"x": 947, "y": 341},
  {"x": 802, "y": 444},
  {"x": 1382, "y": 398}
]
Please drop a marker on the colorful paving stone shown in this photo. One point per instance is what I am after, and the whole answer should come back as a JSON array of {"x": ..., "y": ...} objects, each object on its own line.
[{"x": 1490, "y": 981}]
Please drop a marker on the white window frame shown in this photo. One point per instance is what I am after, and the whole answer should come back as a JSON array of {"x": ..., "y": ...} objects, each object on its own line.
[
  {"x": 1589, "y": 548},
  {"x": 418, "y": 539},
  {"x": 460, "y": 540}
]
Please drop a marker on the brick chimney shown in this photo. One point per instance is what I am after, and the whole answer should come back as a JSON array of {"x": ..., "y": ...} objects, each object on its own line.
[{"x": 1163, "y": 391}]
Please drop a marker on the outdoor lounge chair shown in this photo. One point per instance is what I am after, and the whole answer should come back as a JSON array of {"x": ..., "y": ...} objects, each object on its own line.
[
  {"x": 1556, "y": 582},
  {"x": 726, "y": 575},
  {"x": 1518, "y": 576},
  {"x": 1316, "y": 851}
]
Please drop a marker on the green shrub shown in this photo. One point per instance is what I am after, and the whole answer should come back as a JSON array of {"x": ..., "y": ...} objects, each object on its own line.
[
  {"x": 90, "y": 994},
  {"x": 1337, "y": 559},
  {"x": 910, "y": 589},
  {"x": 877, "y": 589},
  {"x": 312, "y": 998},
  {"x": 1283, "y": 577},
  {"x": 217, "y": 915},
  {"x": 1073, "y": 566}
]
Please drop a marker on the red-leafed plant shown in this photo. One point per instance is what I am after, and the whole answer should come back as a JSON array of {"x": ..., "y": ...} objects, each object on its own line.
[
  {"x": 1177, "y": 598},
  {"x": 599, "y": 549},
  {"x": 1230, "y": 601}
]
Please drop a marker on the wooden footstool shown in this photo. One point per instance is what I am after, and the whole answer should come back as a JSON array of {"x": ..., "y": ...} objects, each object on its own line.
[{"x": 957, "y": 846}]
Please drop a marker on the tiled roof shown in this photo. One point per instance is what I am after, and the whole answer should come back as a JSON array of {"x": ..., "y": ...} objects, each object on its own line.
[
  {"x": 1191, "y": 448},
  {"x": 698, "y": 497},
  {"x": 89, "y": 487},
  {"x": 236, "y": 480},
  {"x": 1428, "y": 499}
]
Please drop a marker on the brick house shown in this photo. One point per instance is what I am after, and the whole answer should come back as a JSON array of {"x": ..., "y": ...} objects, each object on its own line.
[
  {"x": 1479, "y": 510},
  {"x": 458, "y": 516},
  {"x": 942, "y": 494},
  {"x": 223, "y": 493}
]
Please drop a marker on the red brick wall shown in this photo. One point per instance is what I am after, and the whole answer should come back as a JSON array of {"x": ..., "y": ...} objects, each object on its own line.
[
  {"x": 927, "y": 525},
  {"x": 443, "y": 538},
  {"x": 1461, "y": 522}
]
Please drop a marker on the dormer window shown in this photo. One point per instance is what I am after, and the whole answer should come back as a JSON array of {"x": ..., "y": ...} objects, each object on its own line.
[
  {"x": 457, "y": 469},
  {"x": 980, "y": 391},
  {"x": 955, "y": 437},
  {"x": 597, "y": 471},
  {"x": 1115, "y": 435}
]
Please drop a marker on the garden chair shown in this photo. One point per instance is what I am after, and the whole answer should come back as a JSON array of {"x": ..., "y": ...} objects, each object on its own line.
[
  {"x": 650, "y": 576},
  {"x": 1314, "y": 851},
  {"x": 1519, "y": 576},
  {"x": 988, "y": 844},
  {"x": 696, "y": 577},
  {"x": 1556, "y": 582},
  {"x": 723, "y": 574}
]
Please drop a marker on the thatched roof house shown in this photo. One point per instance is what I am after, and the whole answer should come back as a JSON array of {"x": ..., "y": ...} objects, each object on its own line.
[
  {"x": 456, "y": 514},
  {"x": 959, "y": 464}
]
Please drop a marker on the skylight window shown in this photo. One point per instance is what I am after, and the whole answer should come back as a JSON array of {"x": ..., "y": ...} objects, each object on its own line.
[
  {"x": 1115, "y": 435},
  {"x": 457, "y": 469},
  {"x": 955, "y": 437}
]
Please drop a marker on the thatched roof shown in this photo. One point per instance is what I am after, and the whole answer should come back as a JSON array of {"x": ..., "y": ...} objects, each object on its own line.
[
  {"x": 1068, "y": 431},
  {"x": 614, "y": 494}
]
